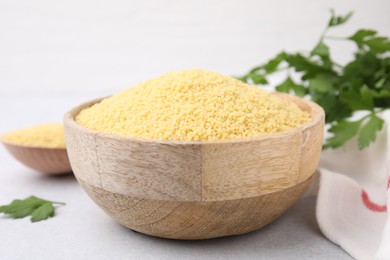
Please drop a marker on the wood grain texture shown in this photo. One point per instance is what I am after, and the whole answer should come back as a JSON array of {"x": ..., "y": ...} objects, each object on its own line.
[
  {"x": 235, "y": 170},
  {"x": 188, "y": 178},
  {"x": 50, "y": 161},
  {"x": 159, "y": 171},
  {"x": 191, "y": 220},
  {"x": 312, "y": 136},
  {"x": 83, "y": 155}
]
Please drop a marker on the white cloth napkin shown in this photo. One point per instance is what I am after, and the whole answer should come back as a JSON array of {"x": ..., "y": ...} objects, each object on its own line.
[{"x": 354, "y": 197}]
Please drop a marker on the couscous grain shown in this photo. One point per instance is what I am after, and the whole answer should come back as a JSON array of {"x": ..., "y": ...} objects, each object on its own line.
[{"x": 192, "y": 105}]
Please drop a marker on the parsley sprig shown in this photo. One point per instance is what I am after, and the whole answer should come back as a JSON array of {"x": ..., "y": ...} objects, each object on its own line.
[
  {"x": 363, "y": 84},
  {"x": 38, "y": 208}
]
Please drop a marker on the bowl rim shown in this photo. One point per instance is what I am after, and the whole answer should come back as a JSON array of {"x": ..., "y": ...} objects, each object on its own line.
[
  {"x": 5, "y": 142},
  {"x": 316, "y": 112}
]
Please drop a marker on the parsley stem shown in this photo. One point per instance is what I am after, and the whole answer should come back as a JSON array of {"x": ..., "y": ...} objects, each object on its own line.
[
  {"x": 366, "y": 116},
  {"x": 380, "y": 110},
  {"x": 282, "y": 69},
  {"x": 338, "y": 65},
  {"x": 335, "y": 37},
  {"x": 324, "y": 33},
  {"x": 56, "y": 202}
]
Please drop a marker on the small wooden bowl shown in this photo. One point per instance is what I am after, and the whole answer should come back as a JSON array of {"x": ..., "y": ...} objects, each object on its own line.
[
  {"x": 195, "y": 189},
  {"x": 50, "y": 161}
]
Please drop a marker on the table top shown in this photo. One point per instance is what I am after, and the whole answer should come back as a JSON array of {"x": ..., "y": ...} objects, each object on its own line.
[{"x": 81, "y": 230}]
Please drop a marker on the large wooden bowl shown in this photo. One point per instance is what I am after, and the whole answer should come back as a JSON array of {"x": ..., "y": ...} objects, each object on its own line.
[{"x": 195, "y": 189}]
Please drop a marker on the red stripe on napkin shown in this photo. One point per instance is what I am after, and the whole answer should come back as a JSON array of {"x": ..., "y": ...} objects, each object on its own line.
[{"x": 372, "y": 205}]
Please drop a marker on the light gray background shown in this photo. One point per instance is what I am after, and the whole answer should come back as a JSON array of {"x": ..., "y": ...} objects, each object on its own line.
[
  {"x": 57, "y": 54},
  {"x": 101, "y": 47}
]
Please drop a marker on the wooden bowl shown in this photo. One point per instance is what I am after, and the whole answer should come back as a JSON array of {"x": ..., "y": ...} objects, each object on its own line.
[
  {"x": 50, "y": 161},
  {"x": 195, "y": 189}
]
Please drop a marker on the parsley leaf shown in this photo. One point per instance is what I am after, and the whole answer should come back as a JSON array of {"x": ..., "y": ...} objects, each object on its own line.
[
  {"x": 342, "y": 132},
  {"x": 361, "y": 35},
  {"x": 362, "y": 84},
  {"x": 338, "y": 20},
  {"x": 273, "y": 64},
  {"x": 258, "y": 74},
  {"x": 321, "y": 50},
  {"x": 258, "y": 79},
  {"x": 323, "y": 83},
  {"x": 289, "y": 85},
  {"x": 38, "y": 208},
  {"x": 368, "y": 38},
  {"x": 368, "y": 132},
  {"x": 357, "y": 101},
  {"x": 379, "y": 44},
  {"x": 45, "y": 211},
  {"x": 335, "y": 110},
  {"x": 308, "y": 67}
]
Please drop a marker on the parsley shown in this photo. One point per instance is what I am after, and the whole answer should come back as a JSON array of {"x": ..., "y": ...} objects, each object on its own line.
[
  {"x": 363, "y": 84},
  {"x": 39, "y": 209}
]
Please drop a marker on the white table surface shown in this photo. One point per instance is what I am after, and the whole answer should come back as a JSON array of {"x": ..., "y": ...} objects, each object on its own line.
[{"x": 80, "y": 230}]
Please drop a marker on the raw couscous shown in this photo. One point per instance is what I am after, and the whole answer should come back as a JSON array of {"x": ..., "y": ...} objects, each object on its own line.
[
  {"x": 192, "y": 105},
  {"x": 46, "y": 135}
]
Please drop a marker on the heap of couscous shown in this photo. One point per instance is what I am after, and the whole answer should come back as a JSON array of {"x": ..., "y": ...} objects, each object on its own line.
[
  {"x": 45, "y": 136},
  {"x": 192, "y": 105}
]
